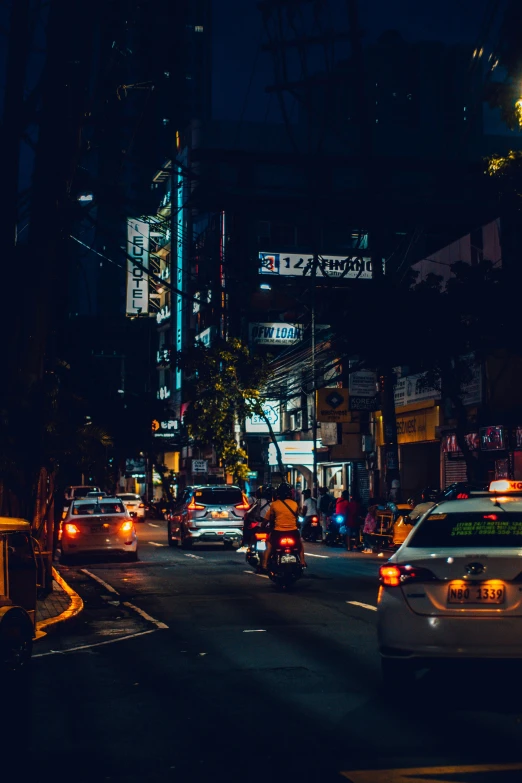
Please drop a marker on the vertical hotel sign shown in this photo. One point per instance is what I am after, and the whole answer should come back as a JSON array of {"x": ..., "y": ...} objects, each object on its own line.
[{"x": 137, "y": 267}]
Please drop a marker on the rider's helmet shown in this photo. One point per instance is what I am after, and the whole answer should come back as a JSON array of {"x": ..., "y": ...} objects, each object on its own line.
[{"x": 284, "y": 491}]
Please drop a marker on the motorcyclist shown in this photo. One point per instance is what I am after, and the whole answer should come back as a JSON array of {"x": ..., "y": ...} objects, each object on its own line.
[
  {"x": 283, "y": 519},
  {"x": 258, "y": 514}
]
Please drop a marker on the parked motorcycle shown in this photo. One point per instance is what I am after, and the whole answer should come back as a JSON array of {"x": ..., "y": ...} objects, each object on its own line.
[
  {"x": 311, "y": 528},
  {"x": 284, "y": 566}
]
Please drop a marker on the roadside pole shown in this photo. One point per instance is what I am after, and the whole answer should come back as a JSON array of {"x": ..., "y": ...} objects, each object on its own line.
[{"x": 314, "y": 381}]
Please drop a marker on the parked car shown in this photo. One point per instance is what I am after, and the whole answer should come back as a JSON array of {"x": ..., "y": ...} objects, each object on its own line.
[
  {"x": 209, "y": 513},
  {"x": 94, "y": 526},
  {"x": 134, "y": 504}
]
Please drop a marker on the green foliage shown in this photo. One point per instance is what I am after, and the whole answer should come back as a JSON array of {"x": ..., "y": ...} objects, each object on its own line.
[{"x": 224, "y": 385}]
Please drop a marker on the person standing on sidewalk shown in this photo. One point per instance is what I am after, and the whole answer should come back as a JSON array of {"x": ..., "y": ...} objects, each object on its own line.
[
  {"x": 370, "y": 524},
  {"x": 326, "y": 508},
  {"x": 349, "y": 509}
]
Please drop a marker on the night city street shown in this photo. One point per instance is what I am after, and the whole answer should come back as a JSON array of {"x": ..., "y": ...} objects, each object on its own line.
[
  {"x": 261, "y": 391},
  {"x": 248, "y": 683}
]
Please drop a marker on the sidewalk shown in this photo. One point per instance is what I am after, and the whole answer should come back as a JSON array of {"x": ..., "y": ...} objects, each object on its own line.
[{"x": 59, "y": 606}]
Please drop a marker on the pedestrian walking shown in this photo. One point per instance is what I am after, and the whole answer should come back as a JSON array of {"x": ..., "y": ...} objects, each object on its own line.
[{"x": 370, "y": 525}]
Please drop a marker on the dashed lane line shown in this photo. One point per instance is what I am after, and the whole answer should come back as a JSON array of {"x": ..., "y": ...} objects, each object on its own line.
[
  {"x": 145, "y": 616},
  {"x": 263, "y": 576},
  {"x": 323, "y": 557},
  {"x": 95, "y": 644},
  {"x": 364, "y": 606},
  {"x": 100, "y": 581},
  {"x": 194, "y": 557},
  {"x": 155, "y": 543},
  {"x": 151, "y": 524}
]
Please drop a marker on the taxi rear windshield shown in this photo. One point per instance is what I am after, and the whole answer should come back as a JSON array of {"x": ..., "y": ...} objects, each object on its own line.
[
  {"x": 98, "y": 508},
  {"x": 218, "y": 497},
  {"x": 469, "y": 530}
]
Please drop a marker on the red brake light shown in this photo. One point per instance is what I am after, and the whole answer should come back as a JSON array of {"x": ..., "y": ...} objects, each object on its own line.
[
  {"x": 494, "y": 517},
  {"x": 193, "y": 505},
  {"x": 393, "y": 576},
  {"x": 462, "y": 496},
  {"x": 261, "y": 536},
  {"x": 390, "y": 575},
  {"x": 71, "y": 529},
  {"x": 287, "y": 542},
  {"x": 126, "y": 527},
  {"x": 315, "y": 519},
  {"x": 244, "y": 503}
]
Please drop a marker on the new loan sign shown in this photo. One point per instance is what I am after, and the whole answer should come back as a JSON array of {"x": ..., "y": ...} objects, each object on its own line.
[
  {"x": 332, "y": 405},
  {"x": 137, "y": 267}
]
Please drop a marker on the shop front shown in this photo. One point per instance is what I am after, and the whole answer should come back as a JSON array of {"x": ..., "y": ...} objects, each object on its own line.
[{"x": 419, "y": 446}]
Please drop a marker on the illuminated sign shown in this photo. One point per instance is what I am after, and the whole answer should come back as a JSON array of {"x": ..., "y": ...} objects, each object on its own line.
[
  {"x": 163, "y": 314},
  {"x": 294, "y": 452},
  {"x": 275, "y": 333},
  {"x": 163, "y": 393},
  {"x": 166, "y": 428},
  {"x": 332, "y": 405},
  {"x": 295, "y": 265},
  {"x": 207, "y": 335},
  {"x": 137, "y": 275},
  {"x": 256, "y": 424}
]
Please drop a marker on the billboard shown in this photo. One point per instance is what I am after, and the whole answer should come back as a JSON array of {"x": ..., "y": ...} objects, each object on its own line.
[
  {"x": 296, "y": 265},
  {"x": 137, "y": 273},
  {"x": 275, "y": 333},
  {"x": 257, "y": 424}
]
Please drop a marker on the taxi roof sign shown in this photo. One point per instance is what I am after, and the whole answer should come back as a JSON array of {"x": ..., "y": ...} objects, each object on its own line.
[{"x": 505, "y": 485}]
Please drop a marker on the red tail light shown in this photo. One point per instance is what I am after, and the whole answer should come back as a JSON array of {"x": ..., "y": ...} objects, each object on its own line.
[
  {"x": 71, "y": 529},
  {"x": 462, "y": 496},
  {"x": 261, "y": 536},
  {"x": 393, "y": 576},
  {"x": 193, "y": 505},
  {"x": 244, "y": 503},
  {"x": 287, "y": 541},
  {"x": 315, "y": 519}
]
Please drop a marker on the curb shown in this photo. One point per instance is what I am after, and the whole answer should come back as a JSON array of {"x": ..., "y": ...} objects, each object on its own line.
[{"x": 76, "y": 606}]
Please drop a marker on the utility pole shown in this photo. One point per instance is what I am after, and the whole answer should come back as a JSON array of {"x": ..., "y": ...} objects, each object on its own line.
[{"x": 314, "y": 380}]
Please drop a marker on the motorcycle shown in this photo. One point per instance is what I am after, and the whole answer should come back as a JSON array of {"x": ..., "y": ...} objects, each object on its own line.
[
  {"x": 284, "y": 566},
  {"x": 255, "y": 548},
  {"x": 334, "y": 537},
  {"x": 311, "y": 528}
]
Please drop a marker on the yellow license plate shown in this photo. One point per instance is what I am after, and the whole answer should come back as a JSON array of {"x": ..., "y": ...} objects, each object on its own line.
[
  {"x": 462, "y": 593},
  {"x": 219, "y": 515}
]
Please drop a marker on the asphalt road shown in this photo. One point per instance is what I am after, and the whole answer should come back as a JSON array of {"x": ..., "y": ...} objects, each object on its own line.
[{"x": 186, "y": 666}]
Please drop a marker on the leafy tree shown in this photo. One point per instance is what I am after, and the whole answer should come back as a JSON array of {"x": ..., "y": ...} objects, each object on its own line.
[{"x": 225, "y": 384}]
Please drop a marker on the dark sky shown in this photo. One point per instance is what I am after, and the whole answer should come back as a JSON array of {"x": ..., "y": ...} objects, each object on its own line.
[{"x": 238, "y": 31}]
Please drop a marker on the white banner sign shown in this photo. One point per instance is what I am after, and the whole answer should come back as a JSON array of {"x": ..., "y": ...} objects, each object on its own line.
[
  {"x": 413, "y": 388},
  {"x": 295, "y": 265},
  {"x": 275, "y": 334},
  {"x": 199, "y": 466},
  {"x": 363, "y": 384},
  {"x": 137, "y": 276},
  {"x": 257, "y": 424}
]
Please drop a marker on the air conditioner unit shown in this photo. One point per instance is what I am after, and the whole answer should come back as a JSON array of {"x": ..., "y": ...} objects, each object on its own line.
[{"x": 367, "y": 443}]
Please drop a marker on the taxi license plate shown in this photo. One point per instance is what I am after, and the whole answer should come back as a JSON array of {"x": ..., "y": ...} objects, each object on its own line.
[
  {"x": 476, "y": 594},
  {"x": 219, "y": 514}
]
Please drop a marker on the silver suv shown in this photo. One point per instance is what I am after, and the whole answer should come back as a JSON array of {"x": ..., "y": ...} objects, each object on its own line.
[{"x": 210, "y": 513}]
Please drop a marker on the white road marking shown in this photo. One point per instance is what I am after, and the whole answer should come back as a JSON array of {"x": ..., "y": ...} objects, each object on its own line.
[
  {"x": 364, "y": 606},
  {"x": 310, "y": 554},
  {"x": 263, "y": 576},
  {"x": 256, "y": 630},
  {"x": 151, "y": 524},
  {"x": 145, "y": 616},
  {"x": 155, "y": 543},
  {"x": 194, "y": 557},
  {"x": 108, "y": 587},
  {"x": 95, "y": 644}
]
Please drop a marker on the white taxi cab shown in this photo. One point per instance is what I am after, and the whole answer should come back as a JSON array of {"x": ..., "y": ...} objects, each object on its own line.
[
  {"x": 94, "y": 526},
  {"x": 454, "y": 588}
]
